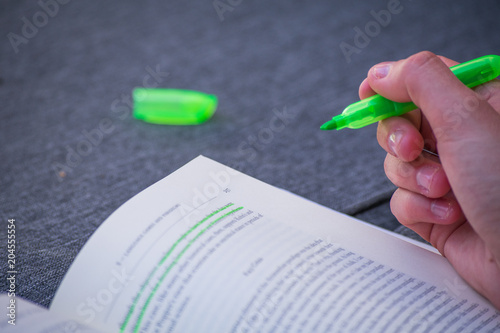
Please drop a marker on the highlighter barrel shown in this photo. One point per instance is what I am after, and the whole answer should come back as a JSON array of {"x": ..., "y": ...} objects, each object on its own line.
[{"x": 372, "y": 109}]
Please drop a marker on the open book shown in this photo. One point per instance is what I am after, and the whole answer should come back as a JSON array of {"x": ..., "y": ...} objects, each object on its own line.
[{"x": 209, "y": 249}]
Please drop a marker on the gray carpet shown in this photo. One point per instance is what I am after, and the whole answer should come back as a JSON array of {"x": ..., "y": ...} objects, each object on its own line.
[{"x": 72, "y": 153}]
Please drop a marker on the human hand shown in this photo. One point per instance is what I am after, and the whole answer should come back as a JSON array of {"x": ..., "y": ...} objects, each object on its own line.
[{"x": 453, "y": 203}]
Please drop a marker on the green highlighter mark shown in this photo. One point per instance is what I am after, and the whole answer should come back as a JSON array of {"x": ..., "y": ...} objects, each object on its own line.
[
  {"x": 162, "y": 261},
  {"x": 173, "y": 106},
  {"x": 162, "y": 278}
]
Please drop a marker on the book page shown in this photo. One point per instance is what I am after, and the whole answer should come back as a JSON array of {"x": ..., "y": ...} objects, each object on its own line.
[
  {"x": 24, "y": 316},
  {"x": 210, "y": 249}
]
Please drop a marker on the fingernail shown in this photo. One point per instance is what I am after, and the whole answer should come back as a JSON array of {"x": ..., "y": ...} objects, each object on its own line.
[
  {"x": 394, "y": 140},
  {"x": 441, "y": 208},
  {"x": 381, "y": 71},
  {"x": 425, "y": 176}
]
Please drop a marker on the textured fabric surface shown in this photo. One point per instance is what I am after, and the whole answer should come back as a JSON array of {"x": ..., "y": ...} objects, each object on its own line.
[{"x": 71, "y": 152}]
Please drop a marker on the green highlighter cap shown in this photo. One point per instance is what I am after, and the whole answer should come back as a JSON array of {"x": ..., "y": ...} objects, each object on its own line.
[
  {"x": 173, "y": 106},
  {"x": 372, "y": 109}
]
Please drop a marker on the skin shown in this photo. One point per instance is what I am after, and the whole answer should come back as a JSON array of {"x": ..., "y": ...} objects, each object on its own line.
[{"x": 452, "y": 201}]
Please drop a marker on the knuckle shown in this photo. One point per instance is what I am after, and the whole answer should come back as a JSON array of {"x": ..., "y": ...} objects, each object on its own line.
[
  {"x": 391, "y": 169},
  {"x": 422, "y": 62},
  {"x": 381, "y": 135},
  {"x": 387, "y": 161},
  {"x": 405, "y": 170},
  {"x": 423, "y": 59},
  {"x": 397, "y": 206}
]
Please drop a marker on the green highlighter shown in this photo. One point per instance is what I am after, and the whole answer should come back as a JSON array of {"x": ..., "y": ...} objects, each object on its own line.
[
  {"x": 372, "y": 109},
  {"x": 173, "y": 106}
]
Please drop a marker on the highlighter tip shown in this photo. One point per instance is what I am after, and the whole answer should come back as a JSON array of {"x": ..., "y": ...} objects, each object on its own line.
[{"x": 329, "y": 125}]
